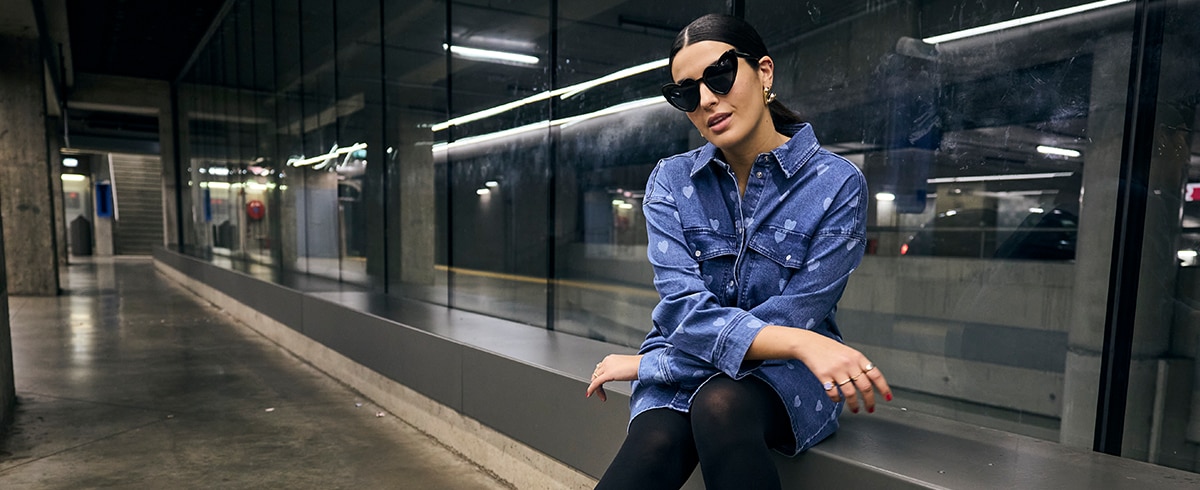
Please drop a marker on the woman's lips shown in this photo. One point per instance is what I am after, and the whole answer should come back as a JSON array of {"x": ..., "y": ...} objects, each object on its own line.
[{"x": 716, "y": 122}]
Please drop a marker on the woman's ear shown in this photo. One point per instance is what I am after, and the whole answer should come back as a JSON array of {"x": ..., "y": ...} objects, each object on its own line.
[{"x": 766, "y": 71}]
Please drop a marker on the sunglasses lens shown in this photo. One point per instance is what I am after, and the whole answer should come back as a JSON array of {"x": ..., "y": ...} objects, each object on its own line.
[
  {"x": 685, "y": 97},
  {"x": 719, "y": 77}
]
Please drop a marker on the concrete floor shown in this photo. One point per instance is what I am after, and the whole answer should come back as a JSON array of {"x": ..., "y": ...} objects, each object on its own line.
[{"x": 128, "y": 381}]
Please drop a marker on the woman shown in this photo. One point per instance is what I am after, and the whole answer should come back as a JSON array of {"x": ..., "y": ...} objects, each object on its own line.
[{"x": 752, "y": 239}]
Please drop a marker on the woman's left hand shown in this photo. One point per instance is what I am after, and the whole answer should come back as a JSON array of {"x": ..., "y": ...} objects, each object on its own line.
[{"x": 614, "y": 367}]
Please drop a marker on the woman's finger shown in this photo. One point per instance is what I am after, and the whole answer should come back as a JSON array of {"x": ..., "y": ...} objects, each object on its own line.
[
  {"x": 880, "y": 383},
  {"x": 846, "y": 386},
  {"x": 863, "y": 384},
  {"x": 597, "y": 385},
  {"x": 831, "y": 390}
]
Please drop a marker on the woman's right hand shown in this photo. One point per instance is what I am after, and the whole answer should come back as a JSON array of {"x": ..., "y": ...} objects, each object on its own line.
[{"x": 614, "y": 367}]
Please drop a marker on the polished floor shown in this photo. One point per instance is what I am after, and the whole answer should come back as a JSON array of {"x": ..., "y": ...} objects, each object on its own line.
[{"x": 127, "y": 380}]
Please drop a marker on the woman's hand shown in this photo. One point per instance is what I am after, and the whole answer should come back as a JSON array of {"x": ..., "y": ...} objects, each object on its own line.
[
  {"x": 844, "y": 371},
  {"x": 614, "y": 367}
]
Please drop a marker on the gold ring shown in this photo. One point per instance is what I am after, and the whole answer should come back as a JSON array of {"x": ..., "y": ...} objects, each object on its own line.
[
  {"x": 870, "y": 366},
  {"x": 846, "y": 381},
  {"x": 855, "y": 377}
]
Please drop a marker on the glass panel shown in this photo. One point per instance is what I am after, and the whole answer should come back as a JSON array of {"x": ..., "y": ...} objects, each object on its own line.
[
  {"x": 496, "y": 192},
  {"x": 262, "y": 206},
  {"x": 613, "y": 135},
  {"x": 1162, "y": 418},
  {"x": 416, "y": 91},
  {"x": 359, "y": 170},
  {"x": 289, "y": 118},
  {"x": 978, "y": 293},
  {"x": 319, "y": 204}
]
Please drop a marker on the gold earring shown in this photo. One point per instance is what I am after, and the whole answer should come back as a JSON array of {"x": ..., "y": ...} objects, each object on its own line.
[{"x": 768, "y": 96}]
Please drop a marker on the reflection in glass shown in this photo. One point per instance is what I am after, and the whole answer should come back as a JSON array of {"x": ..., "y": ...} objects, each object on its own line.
[{"x": 465, "y": 178}]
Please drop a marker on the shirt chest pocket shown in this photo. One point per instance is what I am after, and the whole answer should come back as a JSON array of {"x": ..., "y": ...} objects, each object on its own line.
[
  {"x": 786, "y": 248},
  {"x": 716, "y": 253}
]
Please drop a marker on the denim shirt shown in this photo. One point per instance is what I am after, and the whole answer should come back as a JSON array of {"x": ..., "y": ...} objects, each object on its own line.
[{"x": 726, "y": 265}]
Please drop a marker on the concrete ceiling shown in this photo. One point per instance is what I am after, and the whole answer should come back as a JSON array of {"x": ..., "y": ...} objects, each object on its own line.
[{"x": 137, "y": 38}]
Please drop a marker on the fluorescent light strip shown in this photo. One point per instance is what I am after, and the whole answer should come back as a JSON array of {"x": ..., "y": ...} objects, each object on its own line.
[
  {"x": 72, "y": 178},
  {"x": 975, "y": 31},
  {"x": 564, "y": 92},
  {"x": 1052, "y": 150},
  {"x": 333, "y": 153},
  {"x": 992, "y": 178},
  {"x": 628, "y": 106},
  {"x": 491, "y": 55}
]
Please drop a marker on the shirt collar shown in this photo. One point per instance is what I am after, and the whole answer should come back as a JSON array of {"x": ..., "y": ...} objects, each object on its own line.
[{"x": 790, "y": 156}]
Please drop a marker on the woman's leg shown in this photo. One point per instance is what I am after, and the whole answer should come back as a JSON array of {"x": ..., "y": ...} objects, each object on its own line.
[
  {"x": 734, "y": 424},
  {"x": 658, "y": 453}
]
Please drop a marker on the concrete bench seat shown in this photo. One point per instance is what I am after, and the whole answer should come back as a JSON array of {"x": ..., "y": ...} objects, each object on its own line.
[{"x": 510, "y": 396}]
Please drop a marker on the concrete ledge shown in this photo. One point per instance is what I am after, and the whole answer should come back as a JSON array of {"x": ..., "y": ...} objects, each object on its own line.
[{"x": 509, "y": 397}]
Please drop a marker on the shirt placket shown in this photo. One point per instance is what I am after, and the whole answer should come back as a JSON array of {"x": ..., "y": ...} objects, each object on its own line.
[{"x": 747, "y": 205}]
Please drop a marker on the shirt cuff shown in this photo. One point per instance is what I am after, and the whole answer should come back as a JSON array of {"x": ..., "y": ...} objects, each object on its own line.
[
  {"x": 733, "y": 344},
  {"x": 653, "y": 367}
]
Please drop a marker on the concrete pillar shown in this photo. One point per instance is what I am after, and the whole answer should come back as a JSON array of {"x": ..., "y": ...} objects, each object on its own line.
[
  {"x": 1156, "y": 286},
  {"x": 8, "y": 394},
  {"x": 170, "y": 168},
  {"x": 28, "y": 204},
  {"x": 412, "y": 182},
  {"x": 1093, "y": 254}
]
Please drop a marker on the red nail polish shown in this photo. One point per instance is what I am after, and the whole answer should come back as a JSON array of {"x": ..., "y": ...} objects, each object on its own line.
[
  {"x": 888, "y": 396},
  {"x": 871, "y": 410},
  {"x": 854, "y": 410}
]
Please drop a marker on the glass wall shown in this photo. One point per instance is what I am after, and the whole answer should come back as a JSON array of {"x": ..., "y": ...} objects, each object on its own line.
[{"x": 492, "y": 157}]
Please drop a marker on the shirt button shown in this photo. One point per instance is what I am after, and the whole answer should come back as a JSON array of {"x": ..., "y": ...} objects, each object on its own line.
[{"x": 697, "y": 253}]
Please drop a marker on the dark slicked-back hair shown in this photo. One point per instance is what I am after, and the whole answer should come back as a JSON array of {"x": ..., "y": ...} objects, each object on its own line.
[{"x": 742, "y": 36}]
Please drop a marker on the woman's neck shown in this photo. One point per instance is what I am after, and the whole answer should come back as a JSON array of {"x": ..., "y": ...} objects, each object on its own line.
[{"x": 741, "y": 157}]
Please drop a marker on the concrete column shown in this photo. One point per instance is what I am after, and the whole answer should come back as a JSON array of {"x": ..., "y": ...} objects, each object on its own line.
[
  {"x": 8, "y": 394},
  {"x": 28, "y": 204},
  {"x": 103, "y": 227},
  {"x": 1156, "y": 287},
  {"x": 412, "y": 185},
  {"x": 170, "y": 168},
  {"x": 1093, "y": 254}
]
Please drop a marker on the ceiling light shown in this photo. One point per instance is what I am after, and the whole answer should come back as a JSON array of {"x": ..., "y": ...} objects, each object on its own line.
[
  {"x": 541, "y": 125},
  {"x": 1008, "y": 24},
  {"x": 885, "y": 196},
  {"x": 564, "y": 92},
  {"x": 990, "y": 178},
  {"x": 1051, "y": 150},
  {"x": 491, "y": 55},
  {"x": 71, "y": 162},
  {"x": 73, "y": 178},
  {"x": 483, "y": 192},
  {"x": 1037, "y": 210},
  {"x": 491, "y": 184}
]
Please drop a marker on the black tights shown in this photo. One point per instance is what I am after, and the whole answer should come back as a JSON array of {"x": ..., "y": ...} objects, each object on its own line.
[{"x": 729, "y": 432}]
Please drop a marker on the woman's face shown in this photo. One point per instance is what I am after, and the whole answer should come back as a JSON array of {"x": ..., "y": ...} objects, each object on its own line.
[{"x": 737, "y": 117}]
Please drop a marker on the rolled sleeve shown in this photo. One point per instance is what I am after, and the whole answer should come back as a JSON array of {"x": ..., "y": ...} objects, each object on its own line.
[{"x": 688, "y": 315}]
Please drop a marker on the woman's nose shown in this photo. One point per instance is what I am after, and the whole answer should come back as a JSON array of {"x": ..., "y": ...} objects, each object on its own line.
[{"x": 707, "y": 97}]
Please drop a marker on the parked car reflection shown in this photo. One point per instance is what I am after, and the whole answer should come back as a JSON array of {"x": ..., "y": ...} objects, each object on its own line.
[{"x": 1041, "y": 235}]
